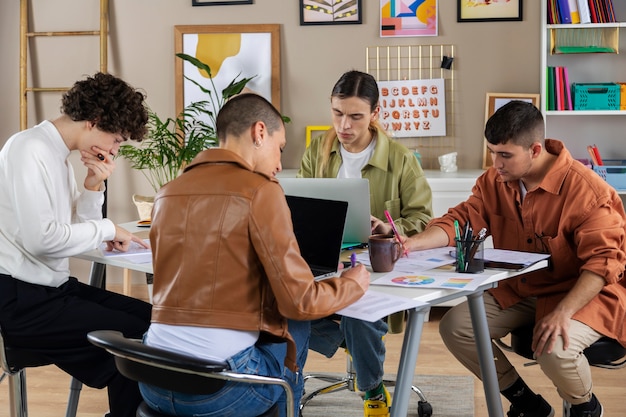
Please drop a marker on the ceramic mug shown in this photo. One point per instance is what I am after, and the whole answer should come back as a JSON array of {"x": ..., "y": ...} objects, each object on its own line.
[{"x": 384, "y": 251}]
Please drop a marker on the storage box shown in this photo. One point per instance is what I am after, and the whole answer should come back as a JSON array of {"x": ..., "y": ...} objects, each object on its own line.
[
  {"x": 614, "y": 172},
  {"x": 600, "y": 96},
  {"x": 622, "y": 96}
]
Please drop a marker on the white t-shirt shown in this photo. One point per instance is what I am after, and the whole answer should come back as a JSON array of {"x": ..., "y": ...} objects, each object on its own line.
[
  {"x": 44, "y": 219},
  {"x": 202, "y": 342},
  {"x": 353, "y": 163}
]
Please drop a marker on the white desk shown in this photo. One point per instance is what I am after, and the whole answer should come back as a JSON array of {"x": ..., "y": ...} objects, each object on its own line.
[
  {"x": 413, "y": 332},
  {"x": 414, "y": 326}
]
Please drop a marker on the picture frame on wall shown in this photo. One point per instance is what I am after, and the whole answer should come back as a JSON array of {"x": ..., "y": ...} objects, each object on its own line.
[
  {"x": 313, "y": 131},
  {"x": 219, "y": 2},
  {"x": 337, "y": 12},
  {"x": 492, "y": 103},
  {"x": 489, "y": 10},
  {"x": 408, "y": 18},
  {"x": 231, "y": 51}
]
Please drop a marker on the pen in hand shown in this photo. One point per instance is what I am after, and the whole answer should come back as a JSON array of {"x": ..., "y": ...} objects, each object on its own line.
[
  {"x": 395, "y": 232},
  {"x": 352, "y": 260}
]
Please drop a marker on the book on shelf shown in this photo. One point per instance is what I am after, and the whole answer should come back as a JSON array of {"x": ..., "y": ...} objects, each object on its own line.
[
  {"x": 550, "y": 88},
  {"x": 580, "y": 11},
  {"x": 568, "y": 90},
  {"x": 558, "y": 89},
  {"x": 564, "y": 11},
  {"x": 583, "y": 11}
]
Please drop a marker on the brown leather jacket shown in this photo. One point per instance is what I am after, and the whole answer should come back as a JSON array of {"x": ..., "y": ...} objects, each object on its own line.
[{"x": 225, "y": 254}]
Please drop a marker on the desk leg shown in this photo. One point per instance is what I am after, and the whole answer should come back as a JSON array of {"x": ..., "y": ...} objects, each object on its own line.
[
  {"x": 96, "y": 276},
  {"x": 408, "y": 359},
  {"x": 127, "y": 282},
  {"x": 485, "y": 354}
]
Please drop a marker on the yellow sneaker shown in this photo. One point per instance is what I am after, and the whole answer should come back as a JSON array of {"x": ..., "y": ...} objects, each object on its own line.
[{"x": 377, "y": 408}]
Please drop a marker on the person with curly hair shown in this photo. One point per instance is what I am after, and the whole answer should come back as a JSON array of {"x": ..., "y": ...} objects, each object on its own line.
[{"x": 45, "y": 219}]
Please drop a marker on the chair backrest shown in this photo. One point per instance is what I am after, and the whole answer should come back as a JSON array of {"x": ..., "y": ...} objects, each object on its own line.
[
  {"x": 13, "y": 360},
  {"x": 175, "y": 371},
  {"x": 159, "y": 367},
  {"x": 3, "y": 359}
]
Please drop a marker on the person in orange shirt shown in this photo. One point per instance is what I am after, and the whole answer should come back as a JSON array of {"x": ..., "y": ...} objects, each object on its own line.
[{"x": 537, "y": 198}]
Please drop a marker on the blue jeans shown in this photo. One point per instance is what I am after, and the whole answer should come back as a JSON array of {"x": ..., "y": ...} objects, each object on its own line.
[
  {"x": 364, "y": 341},
  {"x": 238, "y": 398}
]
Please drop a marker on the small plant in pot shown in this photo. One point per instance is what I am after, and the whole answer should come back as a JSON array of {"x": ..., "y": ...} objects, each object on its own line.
[{"x": 172, "y": 143}]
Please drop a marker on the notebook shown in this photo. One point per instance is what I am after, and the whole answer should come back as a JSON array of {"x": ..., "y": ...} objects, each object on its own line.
[
  {"x": 319, "y": 236},
  {"x": 355, "y": 191}
]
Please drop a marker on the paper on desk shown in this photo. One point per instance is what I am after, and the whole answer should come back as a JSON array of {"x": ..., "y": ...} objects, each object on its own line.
[
  {"x": 375, "y": 305},
  {"x": 433, "y": 279},
  {"x": 136, "y": 253},
  {"x": 514, "y": 257},
  {"x": 417, "y": 261}
]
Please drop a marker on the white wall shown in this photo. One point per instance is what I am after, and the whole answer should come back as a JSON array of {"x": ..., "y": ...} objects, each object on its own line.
[{"x": 489, "y": 57}]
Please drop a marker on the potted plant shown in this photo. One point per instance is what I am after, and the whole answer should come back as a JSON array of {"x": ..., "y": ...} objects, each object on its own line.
[{"x": 172, "y": 143}]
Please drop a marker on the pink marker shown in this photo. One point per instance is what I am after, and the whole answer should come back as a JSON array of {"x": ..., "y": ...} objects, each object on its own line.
[{"x": 395, "y": 232}]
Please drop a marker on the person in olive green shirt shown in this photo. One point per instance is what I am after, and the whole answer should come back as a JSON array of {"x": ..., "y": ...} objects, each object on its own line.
[
  {"x": 397, "y": 181},
  {"x": 357, "y": 147}
]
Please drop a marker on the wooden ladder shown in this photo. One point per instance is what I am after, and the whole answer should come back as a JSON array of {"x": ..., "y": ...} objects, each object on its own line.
[{"x": 26, "y": 35}]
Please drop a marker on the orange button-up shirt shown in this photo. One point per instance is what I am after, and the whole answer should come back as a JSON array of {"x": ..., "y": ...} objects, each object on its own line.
[{"x": 575, "y": 216}]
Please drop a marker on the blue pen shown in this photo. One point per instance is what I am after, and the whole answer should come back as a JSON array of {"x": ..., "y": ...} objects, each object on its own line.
[{"x": 353, "y": 260}]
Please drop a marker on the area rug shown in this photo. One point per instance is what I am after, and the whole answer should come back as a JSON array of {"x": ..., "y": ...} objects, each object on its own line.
[{"x": 449, "y": 396}]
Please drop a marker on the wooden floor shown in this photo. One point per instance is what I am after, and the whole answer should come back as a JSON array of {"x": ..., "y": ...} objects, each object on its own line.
[{"x": 48, "y": 387}]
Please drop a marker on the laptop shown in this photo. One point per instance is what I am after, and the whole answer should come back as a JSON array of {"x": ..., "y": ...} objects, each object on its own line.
[
  {"x": 319, "y": 236},
  {"x": 355, "y": 191}
]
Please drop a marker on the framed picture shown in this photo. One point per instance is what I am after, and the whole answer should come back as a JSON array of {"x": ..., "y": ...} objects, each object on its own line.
[
  {"x": 493, "y": 102},
  {"x": 408, "y": 18},
  {"x": 336, "y": 12},
  {"x": 313, "y": 132},
  {"x": 488, "y": 10},
  {"x": 218, "y": 2},
  {"x": 231, "y": 51}
]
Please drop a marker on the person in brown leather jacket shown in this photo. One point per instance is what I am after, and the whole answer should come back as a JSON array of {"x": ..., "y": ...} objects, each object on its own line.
[{"x": 229, "y": 281}]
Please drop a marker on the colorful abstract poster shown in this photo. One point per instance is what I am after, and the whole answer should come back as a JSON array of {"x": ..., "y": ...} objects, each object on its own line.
[
  {"x": 408, "y": 18},
  {"x": 229, "y": 55},
  {"x": 413, "y": 108}
]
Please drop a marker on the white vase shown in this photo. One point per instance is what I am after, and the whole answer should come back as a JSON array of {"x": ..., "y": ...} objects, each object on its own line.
[{"x": 144, "y": 206}]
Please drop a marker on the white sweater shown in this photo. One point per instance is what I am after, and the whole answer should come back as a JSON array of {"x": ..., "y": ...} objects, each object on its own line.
[{"x": 44, "y": 219}]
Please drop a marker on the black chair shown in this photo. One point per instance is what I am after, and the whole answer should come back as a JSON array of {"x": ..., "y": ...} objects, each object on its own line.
[
  {"x": 605, "y": 353},
  {"x": 348, "y": 382},
  {"x": 174, "y": 371},
  {"x": 14, "y": 362}
]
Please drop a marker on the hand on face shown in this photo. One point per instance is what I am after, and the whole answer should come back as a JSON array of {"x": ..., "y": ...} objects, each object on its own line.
[{"x": 100, "y": 166}]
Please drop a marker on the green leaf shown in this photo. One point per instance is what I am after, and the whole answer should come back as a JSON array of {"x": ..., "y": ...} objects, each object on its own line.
[{"x": 196, "y": 62}]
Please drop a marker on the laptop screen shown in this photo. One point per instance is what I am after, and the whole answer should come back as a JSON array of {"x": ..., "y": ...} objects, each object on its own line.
[
  {"x": 318, "y": 225},
  {"x": 353, "y": 190}
]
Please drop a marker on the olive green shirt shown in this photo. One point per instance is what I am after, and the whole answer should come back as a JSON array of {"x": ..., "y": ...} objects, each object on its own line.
[{"x": 396, "y": 179}]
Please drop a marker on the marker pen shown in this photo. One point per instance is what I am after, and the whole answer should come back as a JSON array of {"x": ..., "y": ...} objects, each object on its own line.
[{"x": 353, "y": 260}]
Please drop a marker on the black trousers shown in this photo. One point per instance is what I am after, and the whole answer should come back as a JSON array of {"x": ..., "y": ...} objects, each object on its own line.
[{"x": 54, "y": 322}]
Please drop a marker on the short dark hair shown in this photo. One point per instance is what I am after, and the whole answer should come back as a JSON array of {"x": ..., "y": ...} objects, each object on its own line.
[
  {"x": 357, "y": 84},
  {"x": 517, "y": 121},
  {"x": 242, "y": 111},
  {"x": 110, "y": 103}
]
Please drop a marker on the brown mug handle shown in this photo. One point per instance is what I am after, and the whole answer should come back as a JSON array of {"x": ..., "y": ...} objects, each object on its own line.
[{"x": 398, "y": 253}]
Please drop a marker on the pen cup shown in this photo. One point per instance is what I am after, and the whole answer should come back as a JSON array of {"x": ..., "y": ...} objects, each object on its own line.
[{"x": 470, "y": 255}]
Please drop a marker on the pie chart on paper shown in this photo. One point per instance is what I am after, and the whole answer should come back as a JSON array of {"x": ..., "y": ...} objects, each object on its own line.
[{"x": 413, "y": 280}]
